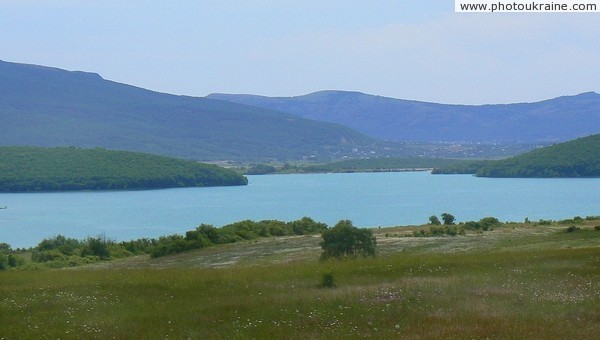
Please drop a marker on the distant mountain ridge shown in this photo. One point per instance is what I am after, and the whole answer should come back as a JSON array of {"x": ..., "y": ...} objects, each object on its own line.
[
  {"x": 552, "y": 120},
  {"x": 44, "y": 106}
]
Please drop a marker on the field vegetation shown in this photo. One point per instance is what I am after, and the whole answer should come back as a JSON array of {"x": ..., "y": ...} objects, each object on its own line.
[
  {"x": 382, "y": 164},
  {"x": 537, "y": 279},
  {"x": 387, "y": 164}
]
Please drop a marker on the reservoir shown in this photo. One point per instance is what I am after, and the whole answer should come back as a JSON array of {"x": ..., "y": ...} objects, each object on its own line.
[{"x": 367, "y": 199}]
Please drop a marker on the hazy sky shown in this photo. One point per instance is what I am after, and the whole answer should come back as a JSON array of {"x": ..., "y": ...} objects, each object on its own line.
[{"x": 409, "y": 49}]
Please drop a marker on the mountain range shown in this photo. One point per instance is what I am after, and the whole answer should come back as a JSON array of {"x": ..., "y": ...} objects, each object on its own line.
[
  {"x": 49, "y": 107},
  {"x": 553, "y": 120},
  {"x": 43, "y": 106}
]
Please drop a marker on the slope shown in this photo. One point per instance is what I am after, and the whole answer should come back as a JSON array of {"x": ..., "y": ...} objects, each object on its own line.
[
  {"x": 45, "y": 106},
  {"x": 558, "y": 119},
  {"x": 577, "y": 158},
  {"x": 53, "y": 169}
]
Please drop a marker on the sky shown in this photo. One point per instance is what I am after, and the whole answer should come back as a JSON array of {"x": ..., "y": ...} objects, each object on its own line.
[{"x": 408, "y": 49}]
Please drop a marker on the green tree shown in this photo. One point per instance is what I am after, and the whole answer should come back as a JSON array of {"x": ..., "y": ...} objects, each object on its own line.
[
  {"x": 448, "y": 219},
  {"x": 5, "y": 248},
  {"x": 346, "y": 240},
  {"x": 434, "y": 220}
]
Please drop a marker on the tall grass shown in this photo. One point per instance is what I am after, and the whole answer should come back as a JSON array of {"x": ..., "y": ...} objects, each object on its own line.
[{"x": 521, "y": 294}]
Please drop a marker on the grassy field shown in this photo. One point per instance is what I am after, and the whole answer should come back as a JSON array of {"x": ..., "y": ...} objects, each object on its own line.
[{"x": 518, "y": 281}]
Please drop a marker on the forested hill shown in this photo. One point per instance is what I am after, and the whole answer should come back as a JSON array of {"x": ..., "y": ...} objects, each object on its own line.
[
  {"x": 577, "y": 158},
  {"x": 24, "y": 169},
  {"x": 553, "y": 120},
  {"x": 49, "y": 107}
]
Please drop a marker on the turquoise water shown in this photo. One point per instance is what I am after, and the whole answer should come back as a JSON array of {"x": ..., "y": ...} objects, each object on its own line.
[{"x": 368, "y": 199}]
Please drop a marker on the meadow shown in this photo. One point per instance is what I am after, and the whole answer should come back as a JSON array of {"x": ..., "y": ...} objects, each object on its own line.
[{"x": 520, "y": 280}]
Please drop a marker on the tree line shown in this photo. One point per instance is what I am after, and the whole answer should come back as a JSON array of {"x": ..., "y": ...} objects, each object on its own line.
[{"x": 343, "y": 240}]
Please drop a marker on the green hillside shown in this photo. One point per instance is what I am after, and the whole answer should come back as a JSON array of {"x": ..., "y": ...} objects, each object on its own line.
[
  {"x": 55, "y": 169},
  {"x": 576, "y": 158},
  {"x": 49, "y": 107}
]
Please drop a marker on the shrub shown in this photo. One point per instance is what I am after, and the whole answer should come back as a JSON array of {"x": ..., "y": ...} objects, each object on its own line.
[
  {"x": 3, "y": 262},
  {"x": 96, "y": 246},
  {"x": 306, "y": 226},
  {"x": 247, "y": 229},
  {"x": 5, "y": 248},
  {"x": 139, "y": 246},
  {"x": 65, "y": 245},
  {"x": 450, "y": 230},
  {"x": 328, "y": 281},
  {"x": 47, "y": 256},
  {"x": 487, "y": 223},
  {"x": 167, "y": 245},
  {"x": 436, "y": 231},
  {"x": 13, "y": 261},
  {"x": 572, "y": 229},
  {"x": 472, "y": 225},
  {"x": 346, "y": 240},
  {"x": 484, "y": 224},
  {"x": 277, "y": 228},
  {"x": 597, "y": 228}
]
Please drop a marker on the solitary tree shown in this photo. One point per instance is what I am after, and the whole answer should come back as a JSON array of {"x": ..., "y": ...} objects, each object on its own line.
[
  {"x": 346, "y": 240},
  {"x": 448, "y": 219},
  {"x": 434, "y": 220}
]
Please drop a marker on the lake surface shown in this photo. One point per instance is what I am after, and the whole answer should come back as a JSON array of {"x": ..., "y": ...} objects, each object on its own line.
[{"x": 368, "y": 199}]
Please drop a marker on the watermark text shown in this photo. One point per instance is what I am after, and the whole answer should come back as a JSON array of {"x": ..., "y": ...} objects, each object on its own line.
[{"x": 527, "y": 6}]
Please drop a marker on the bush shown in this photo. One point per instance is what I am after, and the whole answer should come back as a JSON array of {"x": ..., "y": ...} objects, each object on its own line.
[
  {"x": 47, "y": 256},
  {"x": 3, "y": 262},
  {"x": 346, "y": 240},
  {"x": 450, "y": 230},
  {"x": 247, "y": 229},
  {"x": 307, "y": 226},
  {"x": 597, "y": 228},
  {"x": 484, "y": 224},
  {"x": 328, "y": 281},
  {"x": 139, "y": 246},
  {"x": 436, "y": 231},
  {"x": 96, "y": 246},
  {"x": 5, "y": 248},
  {"x": 206, "y": 235},
  {"x": 572, "y": 229},
  {"x": 66, "y": 246}
]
